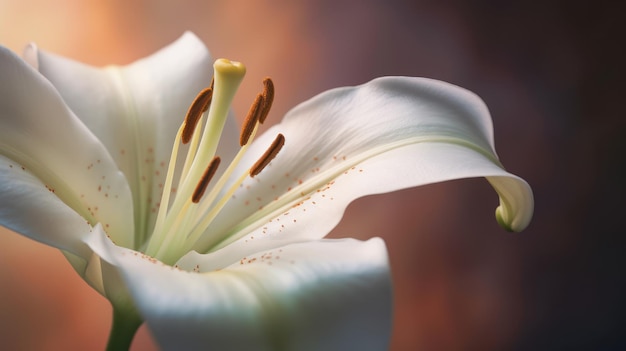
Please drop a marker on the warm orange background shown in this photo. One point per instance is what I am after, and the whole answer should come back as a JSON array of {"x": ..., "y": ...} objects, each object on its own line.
[{"x": 461, "y": 283}]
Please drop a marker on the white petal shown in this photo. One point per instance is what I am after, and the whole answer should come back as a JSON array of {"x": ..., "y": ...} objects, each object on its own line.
[
  {"x": 28, "y": 207},
  {"x": 324, "y": 295},
  {"x": 39, "y": 132},
  {"x": 389, "y": 134},
  {"x": 135, "y": 110}
]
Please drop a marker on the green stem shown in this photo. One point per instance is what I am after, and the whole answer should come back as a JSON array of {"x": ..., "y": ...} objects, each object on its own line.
[{"x": 125, "y": 325}]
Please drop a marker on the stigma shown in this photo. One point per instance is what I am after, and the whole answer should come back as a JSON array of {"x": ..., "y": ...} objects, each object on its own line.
[{"x": 185, "y": 215}]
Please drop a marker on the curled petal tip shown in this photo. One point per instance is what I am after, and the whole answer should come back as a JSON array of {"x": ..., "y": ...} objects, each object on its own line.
[
  {"x": 501, "y": 220},
  {"x": 515, "y": 216}
]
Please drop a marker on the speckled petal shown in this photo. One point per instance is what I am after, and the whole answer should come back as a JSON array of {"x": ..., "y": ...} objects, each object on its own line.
[
  {"x": 389, "y": 134},
  {"x": 40, "y": 133},
  {"x": 27, "y": 206},
  {"x": 322, "y": 295},
  {"x": 135, "y": 110}
]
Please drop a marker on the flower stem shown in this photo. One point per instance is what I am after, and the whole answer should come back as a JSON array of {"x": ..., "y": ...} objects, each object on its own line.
[{"x": 125, "y": 325}]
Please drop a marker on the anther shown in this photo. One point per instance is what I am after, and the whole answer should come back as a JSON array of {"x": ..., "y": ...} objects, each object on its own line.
[
  {"x": 199, "y": 105},
  {"x": 205, "y": 180},
  {"x": 268, "y": 156},
  {"x": 268, "y": 98},
  {"x": 251, "y": 120}
]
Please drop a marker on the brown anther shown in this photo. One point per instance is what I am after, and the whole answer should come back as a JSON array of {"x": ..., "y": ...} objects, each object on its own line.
[
  {"x": 251, "y": 120},
  {"x": 205, "y": 180},
  {"x": 199, "y": 105},
  {"x": 268, "y": 98},
  {"x": 268, "y": 156}
]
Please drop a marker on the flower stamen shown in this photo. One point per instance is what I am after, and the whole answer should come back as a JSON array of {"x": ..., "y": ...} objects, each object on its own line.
[
  {"x": 251, "y": 120},
  {"x": 199, "y": 105},
  {"x": 182, "y": 222},
  {"x": 167, "y": 230},
  {"x": 205, "y": 180},
  {"x": 268, "y": 156},
  {"x": 268, "y": 98}
]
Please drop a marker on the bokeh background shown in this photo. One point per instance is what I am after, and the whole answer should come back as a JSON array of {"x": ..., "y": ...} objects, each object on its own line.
[{"x": 552, "y": 75}]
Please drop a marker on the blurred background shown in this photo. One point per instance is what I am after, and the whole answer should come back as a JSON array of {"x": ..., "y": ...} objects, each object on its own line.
[{"x": 552, "y": 77}]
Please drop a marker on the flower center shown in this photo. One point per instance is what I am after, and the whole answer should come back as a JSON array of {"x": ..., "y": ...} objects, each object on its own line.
[{"x": 184, "y": 219}]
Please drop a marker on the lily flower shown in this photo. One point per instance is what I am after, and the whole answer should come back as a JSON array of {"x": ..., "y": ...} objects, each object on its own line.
[{"x": 218, "y": 241}]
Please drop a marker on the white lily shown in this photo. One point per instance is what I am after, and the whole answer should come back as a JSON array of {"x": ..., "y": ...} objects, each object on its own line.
[{"x": 86, "y": 153}]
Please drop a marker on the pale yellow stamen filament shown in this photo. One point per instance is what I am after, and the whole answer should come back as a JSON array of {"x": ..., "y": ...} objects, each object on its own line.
[
  {"x": 207, "y": 205},
  {"x": 165, "y": 196},
  {"x": 191, "y": 152},
  {"x": 169, "y": 248},
  {"x": 198, "y": 107},
  {"x": 201, "y": 227},
  {"x": 248, "y": 132},
  {"x": 267, "y": 157},
  {"x": 210, "y": 198}
]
